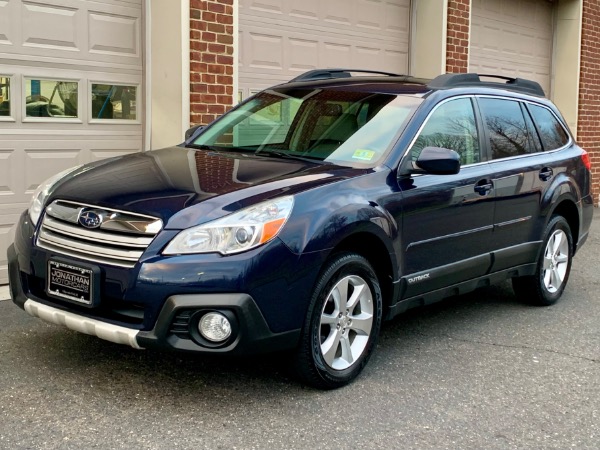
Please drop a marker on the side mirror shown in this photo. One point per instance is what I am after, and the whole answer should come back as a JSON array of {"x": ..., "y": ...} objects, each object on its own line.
[
  {"x": 438, "y": 161},
  {"x": 193, "y": 131}
]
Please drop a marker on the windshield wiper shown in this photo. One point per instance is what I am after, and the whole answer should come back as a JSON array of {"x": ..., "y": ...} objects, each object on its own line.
[
  {"x": 204, "y": 147},
  {"x": 284, "y": 155},
  {"x": 271, "y": 153},
  {"x": 215, "y": 148}
]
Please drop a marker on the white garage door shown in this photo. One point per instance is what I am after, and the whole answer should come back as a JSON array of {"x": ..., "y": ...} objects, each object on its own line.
[
  {"x": 280, "y": 39},
  {"x": 70, "y": 91},
  {"x": 513, "y": 38}
]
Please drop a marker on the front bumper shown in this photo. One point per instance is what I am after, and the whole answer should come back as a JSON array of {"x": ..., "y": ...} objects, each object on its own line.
[{"x": 175, "y": 327}]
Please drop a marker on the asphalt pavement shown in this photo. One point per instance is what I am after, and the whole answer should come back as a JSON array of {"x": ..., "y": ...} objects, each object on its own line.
[{"x": 480, "y": 371}]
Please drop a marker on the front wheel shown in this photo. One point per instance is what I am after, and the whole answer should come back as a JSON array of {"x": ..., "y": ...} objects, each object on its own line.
[
  {"x": 553, "y": 267},
  {"x": 342, "y": 323}
]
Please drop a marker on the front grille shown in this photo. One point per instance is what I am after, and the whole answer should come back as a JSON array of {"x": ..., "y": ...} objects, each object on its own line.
[{"x": 120, "y": 239}]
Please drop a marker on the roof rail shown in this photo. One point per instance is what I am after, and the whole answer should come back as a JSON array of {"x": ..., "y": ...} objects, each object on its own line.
[
  {"x": 323, "y": 74},
  {"x": 449, "y": 80}
]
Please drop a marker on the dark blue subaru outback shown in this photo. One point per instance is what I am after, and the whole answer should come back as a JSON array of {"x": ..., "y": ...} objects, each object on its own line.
[{"x": 308, "y": 214}]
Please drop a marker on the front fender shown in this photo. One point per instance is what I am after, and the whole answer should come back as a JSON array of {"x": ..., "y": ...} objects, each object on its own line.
[{"x": 324, "y": 217}]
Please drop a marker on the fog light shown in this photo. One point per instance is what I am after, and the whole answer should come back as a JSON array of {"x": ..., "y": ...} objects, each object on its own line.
[{"x": 215, "y": 327}]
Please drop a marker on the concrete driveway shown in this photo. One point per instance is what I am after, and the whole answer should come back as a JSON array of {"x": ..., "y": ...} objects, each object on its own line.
[{"x": 477, "y": 371}]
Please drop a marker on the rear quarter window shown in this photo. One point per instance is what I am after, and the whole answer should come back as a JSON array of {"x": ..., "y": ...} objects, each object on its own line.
[{"x": 552, "y": 133}]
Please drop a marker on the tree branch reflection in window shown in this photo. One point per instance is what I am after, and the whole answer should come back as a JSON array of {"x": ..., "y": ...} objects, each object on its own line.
[
  {"x": 509, "y": 134},
  {"x": 451, "y": 126},
  {"x": 551, "y": 131}
]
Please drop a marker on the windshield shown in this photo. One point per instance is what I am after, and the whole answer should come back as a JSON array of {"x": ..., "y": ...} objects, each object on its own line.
[{"x": 344, "y": 127}]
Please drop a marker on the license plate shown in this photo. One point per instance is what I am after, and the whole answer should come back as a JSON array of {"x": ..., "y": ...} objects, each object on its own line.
[{"x": 70, "y": 282}]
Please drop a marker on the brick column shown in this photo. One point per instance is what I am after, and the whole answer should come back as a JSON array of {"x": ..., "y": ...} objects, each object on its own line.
[
  {"x": 457, "y": 42},
  {"x": 588, "y": 122},
  {"x": 211, "y": 59}
]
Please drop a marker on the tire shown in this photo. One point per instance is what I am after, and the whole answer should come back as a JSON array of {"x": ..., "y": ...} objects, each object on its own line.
[
  {"x": 338, "y": 339},
  {"x": 546, "y": 286}
]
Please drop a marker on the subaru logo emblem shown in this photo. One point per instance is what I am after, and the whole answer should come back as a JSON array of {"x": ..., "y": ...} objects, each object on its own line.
[{"x": 90, "y": 219}]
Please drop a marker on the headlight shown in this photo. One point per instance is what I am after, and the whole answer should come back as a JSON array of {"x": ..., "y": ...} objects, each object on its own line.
[
  {"x": 41, "y": 194},
  {"x": 236, "y": 233}
]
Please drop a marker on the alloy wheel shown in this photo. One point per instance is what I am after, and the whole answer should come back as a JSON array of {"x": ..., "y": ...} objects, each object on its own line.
[
  {"x": 346, "y": 322},
  {"x": 556, "y": 261}
]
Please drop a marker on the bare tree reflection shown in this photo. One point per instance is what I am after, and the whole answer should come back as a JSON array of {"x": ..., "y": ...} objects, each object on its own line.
[
  {"x": 508, "y": 137},
  {"x": 460, "y": 135}
]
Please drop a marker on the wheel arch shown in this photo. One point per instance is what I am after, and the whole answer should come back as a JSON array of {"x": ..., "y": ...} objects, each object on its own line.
[
  {"x": 567, "y": 208},
  {"x": 561, "y": 199},
  {"x": 374, "y": 250}
]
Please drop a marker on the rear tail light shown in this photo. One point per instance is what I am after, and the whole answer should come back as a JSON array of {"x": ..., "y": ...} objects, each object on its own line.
[{"x": 587, "y": 162}]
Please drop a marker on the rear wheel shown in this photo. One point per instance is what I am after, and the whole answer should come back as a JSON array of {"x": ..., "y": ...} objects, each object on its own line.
[
  {"x": 553, "y": 268},
  {"x": 342, "y": 323}
]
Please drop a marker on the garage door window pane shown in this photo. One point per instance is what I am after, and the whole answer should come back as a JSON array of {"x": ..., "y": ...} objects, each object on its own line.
[
  {"x": 110, "y": 102},
  {"x": 51, "y": 98},
  {"x": 4, "y": 96}
]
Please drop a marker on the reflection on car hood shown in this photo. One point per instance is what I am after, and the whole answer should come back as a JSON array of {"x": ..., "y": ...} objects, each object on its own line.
[{"x": 185, "y": 187}]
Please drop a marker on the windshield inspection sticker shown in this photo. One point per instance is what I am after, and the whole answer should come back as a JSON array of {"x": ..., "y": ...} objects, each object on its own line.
[{"x": 364, "y": 155}]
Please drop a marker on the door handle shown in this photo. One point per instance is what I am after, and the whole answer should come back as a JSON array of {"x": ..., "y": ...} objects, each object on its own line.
[
  {"x": 483, "y": 187},
  {"x": 546, "y": 173}
]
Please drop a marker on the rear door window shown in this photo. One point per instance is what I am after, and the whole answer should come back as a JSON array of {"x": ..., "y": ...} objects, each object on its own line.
[
  {"x": 507, "y": 130},
  {"x": 552, "y": 133}
]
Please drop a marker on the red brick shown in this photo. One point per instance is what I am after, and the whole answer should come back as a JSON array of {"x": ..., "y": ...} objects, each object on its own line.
[
  {"x": 199, "y": 108},
  {"x": 197, "y": 25},
  {"x": 225, "y": 80},
  {"x": 209, "y": 57},
  {"x": 215, "y": 27},
  {"x": 207, "y": 36},
  {"x": 225, "y": 19},
  {"x": 209, "y": 98},
  {"x": 225, "y": 60},
  {"x": 216, "y": 68},
  {"x": 210, "y": 16},
  {"x": 216, "y": 89},
  {"x": 216, "y": 48},
  {"x": 198, "y": 87},
  {"x": 215, "y": 7},
  {"x": 225, "y": 39},
  {"x": 216, "y": 109}
]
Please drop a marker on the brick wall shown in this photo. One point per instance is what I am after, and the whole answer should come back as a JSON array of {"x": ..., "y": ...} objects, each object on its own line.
[
  {"x": 211, "y": 59},
  {"x": 457, "y": 42},
  {"x": 588, "y": 124}
]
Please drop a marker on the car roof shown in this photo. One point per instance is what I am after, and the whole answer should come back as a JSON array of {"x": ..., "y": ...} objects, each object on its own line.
[{"x": 385, "y": 82}]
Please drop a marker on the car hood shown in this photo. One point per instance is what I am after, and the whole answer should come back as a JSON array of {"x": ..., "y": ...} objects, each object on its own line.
[{"x": 185, "y": 187}]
